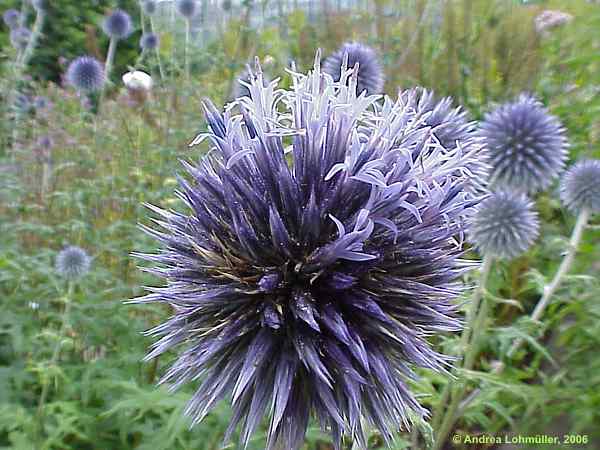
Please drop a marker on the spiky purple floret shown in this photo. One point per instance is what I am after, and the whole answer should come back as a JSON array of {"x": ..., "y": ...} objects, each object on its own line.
[
  {"x": 149, "y": 41},
  {"x": 580, "y": 186},
  {"x": 526, "y": 144},
  {"x": 73, "y": 262},
  {"x": 370, "y": 72},
  {"x": 86, "y": 74},
  {"x": 19, "y": 37},
  {"x": 187, "y": 8},
  {"x": 117, "y": 24},
  {"x": 505, "y": 225},
  {"x": 11, "y": 18},
  {"x": 149, "y": 7},
  {"x": 319, "y": 252},
  {"x": 242, "y": 83}
]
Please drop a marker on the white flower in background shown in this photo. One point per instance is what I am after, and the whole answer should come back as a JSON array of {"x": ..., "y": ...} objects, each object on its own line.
[
  {"x": 138, "y": 81},
  {"x": 549, "y": 18}
]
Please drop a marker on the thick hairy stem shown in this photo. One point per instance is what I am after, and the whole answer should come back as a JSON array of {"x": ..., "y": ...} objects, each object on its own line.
[
  {"x": 549, "y": 291},
  {"x": 471, "y": 334}
]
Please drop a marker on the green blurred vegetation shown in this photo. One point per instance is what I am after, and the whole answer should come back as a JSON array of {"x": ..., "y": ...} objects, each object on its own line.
[{"x": 105, "y": 165}]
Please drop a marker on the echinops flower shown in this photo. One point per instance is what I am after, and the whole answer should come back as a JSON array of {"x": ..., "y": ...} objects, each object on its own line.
[
  {"x": 505, "y": 225},
  {"x": 11, "y": 18},
  {"x": 73, "y": 262},
  {"x": 19, "y": 37},
  {"x": 149, "y": 7},
  {"x": 149, "y": 41},
  {"x": 580, "y": 186},
  {"x": 187, "y": 8},
  {"x": 86, "y": 74},
  {"x": 319, "y": 250},
  {"x": 370, "y": 72},
  {"x": 526, "y": 144},
  {"x": 117, "y": 24}
]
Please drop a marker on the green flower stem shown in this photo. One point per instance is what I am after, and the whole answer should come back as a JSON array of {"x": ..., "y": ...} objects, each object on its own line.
[
  {"x": 110, "y": 56},
  {"x": 160, "y": 66},
  {"x": 186, "y": 54},
  {"x": 549, "y": 291},
  {"x": 468, "y": 344}
]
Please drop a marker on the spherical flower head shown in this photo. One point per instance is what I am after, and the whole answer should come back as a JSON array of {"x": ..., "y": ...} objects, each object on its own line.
[
  {"x": 73, "y": 262},
  {"x": 19, "y": 37},
  {"x": 149, "y": 41},
  {"x": 370, "y": 71},
  {"x": 318, "y": 252},
  {"x": 117, "y": 25},
  {"x": 45, "y": 143},
  {"x": 526, "y": 144},
  {"x": 505, "y": 225},
  {"x": 41, "y": 103},
  {"x": 40, "y": 5},
  {"x": 187, "y": 8},
  {"x": 580, "y": 186},
  {"x": 149, "y": 7},
  {"x": 86, "y": 74},
  {"x": 11, "y": 18},
  {"x": 22, "y": 103}
]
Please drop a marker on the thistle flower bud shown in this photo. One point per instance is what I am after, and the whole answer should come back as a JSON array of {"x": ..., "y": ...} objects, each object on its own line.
[
  {"x": 149, "y": 7},
  {"x": 11, "y": 18},
  {"x": 19, "y": 37},
  {"x": 527, "y": 145},
  {"x": 580, "y": 186},
  {"x": 117, "y": 24},
  {"x": 86, "y": 74},
  {"x": 149, "y": 41},
  {"x": 73, "y": 262},
  {"x": 370, "y": 72},
  {"x": 505, "y": 225},
  {"x": 187, "y": 8}
]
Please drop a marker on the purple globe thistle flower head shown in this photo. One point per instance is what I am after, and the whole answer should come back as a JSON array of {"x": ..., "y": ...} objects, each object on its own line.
[
  {"x": 318, "y": 252},
  {"x": 73, "y": 262},
  {"x": 149, "y": 7},
  {"x": 22, "y": 103},
  {"x": 370, "y": 72},
  {"x": 526, "y": 144},
  {"x": 41, "y": 103},
  {"x": 117, "y": 24},
  {"x": 149, "y": 41},
  {"x": 187, "y": 8},
  {"x": 19, "y": 37},
  {"x": 11, "y": 18},
  {"x": 505, "y": 225},
  {"x": 45, "y": 142},
  {"x": 580, "y": 186},
  {"x": 86, "y": 74}
]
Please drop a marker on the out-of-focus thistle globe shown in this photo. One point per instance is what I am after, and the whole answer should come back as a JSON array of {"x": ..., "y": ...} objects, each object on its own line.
[
  {"x": 453, "y": 128},
  {"x": 73, "y": 262},
  {"x": 149, "y": 41},
  {"x": 40, "y": 5},
  {"x": 11, "y": 18},
  {"x": 149, "y": 7},
  {"x": 45, "y": 142},
  {"x": 370, "y": 72},
  {"x": 86, "y": 74},
  {"x": 117, "y": 25},
  {"x": 187, "y": 8},
  {"x": 505, "y": 225},
  {"x": 580, "y": 186},
  {"x": 526, "y": 144},
  {"x": 19, "y": 37},
  {"x": 318, "y": 253}
]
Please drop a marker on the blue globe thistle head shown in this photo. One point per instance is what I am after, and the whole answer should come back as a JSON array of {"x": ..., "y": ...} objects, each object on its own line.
[
  {"x": 19, "y": 37},
  {"x": 117, "y": 24},
  {"x": 149, "y": 41},
  {"x": 505, "y": 225},
  {"x": 527, "y": 145},
  {"x": 22, "y": 103},
  {"x": 73, "y": 262},
  {"x": 187, "y": 8},
  {"x": 149, "y": 7},
  {"x": 40, "y": 5},
  {"x": 45, "y": 142},
  {"x": 11, "y": 18},
  {"x": 319, "y": 250},
  {"x": 41, "y": 103},
  {"x": 86, "y": 74},
  {"x": 370, "y": 72},
  {"x": 580, "y": 186}
]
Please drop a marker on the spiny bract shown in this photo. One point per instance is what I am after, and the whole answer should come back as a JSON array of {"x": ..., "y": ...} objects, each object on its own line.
[
  {"x": 117, "y": 24},
  {"x": 73, "y": 262},
  {"x": 320, "y": 249},
  {"x": 505, "y": 225},
  {"x": 86, "y": 74},
  {"x": 526, "y": 144},
  {"x": 580, "y": 186},
  {"x": 370, "y": 72}
]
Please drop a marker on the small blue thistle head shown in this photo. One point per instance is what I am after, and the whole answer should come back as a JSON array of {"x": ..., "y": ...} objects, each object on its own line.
[
  {"x": 505, "y": 225},
  {"x": 11, "y": 18},
  {"x": 187, "y": 8},
  {"x": 149, "y": 7},
  {"x": 318, "y": 252},
  {"x": 149, "y": 41},
  {"x": 41, "y": 103},
  {"x": 22, "y": 103},
  {"x": 527, "y": 145},
  {"x": 73, "y": 262},
  {"x": 370, "y": 72},
  {"x": 40, "y": 5},
  {"x": 45, "y": 143},
  {"x": 19, "y": 37},
  {"x": 580, "y": 186},
  {"x": 117, "y": 25},
  {"x": 86, "y": 74}
]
